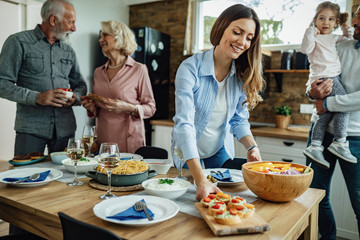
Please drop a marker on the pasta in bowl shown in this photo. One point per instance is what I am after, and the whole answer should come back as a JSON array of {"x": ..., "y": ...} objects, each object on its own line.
[{"x": 128, "y": 173}]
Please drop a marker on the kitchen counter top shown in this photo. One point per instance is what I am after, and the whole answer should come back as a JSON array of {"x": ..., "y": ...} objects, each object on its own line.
[{"x": 293, "y": 132}]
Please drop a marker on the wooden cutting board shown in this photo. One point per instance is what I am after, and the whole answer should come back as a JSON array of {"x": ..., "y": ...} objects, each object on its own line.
[{"x": 250, "y": 225}]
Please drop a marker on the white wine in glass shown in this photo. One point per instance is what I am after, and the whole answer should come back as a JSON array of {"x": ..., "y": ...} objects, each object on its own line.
[
  {"x": 88, "y": 137},
  {"x": 109, "y": 158},
  {"x": 75, "y": 151},
  {"x": 179, "y": 154}
]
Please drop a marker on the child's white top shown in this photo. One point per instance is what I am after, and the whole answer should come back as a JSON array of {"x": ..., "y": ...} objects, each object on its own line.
[{"x": 322, "y": 54}]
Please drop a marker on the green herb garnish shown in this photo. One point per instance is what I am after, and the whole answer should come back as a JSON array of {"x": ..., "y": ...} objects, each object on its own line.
[
  {"x": 84, "y": 159},
  {"x": 166, "y": 181}
]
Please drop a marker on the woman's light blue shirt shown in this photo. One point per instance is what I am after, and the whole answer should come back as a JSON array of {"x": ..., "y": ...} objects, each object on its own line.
[{"x": 195, "y": 95}]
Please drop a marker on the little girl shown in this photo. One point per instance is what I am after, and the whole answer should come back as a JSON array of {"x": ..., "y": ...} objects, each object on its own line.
[{"x": 320, "y": 46}]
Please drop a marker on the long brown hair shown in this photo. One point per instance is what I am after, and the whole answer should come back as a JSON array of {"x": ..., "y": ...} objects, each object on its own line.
[{"x": 249, "y": 64}]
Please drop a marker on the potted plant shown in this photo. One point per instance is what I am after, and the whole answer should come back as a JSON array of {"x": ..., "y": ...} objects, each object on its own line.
[{"x": 282, "y": 116}]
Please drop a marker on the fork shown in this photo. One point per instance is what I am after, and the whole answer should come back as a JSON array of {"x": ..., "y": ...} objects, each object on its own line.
[
  {"x": 32, "y": 177},
  {"x": 141, "y": 206}
]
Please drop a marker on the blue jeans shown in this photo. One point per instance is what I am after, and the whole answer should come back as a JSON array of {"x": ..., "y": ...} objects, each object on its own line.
[
  {"x": 222, "y": 160},
  {"x": 322, "y": 180}
]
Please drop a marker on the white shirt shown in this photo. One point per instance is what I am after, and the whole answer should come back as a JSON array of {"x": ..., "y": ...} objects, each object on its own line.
[
  {"x": 207, "y": 145},
  {"x": 350, "y": 60},
  {"x": 322, "y": 54}
]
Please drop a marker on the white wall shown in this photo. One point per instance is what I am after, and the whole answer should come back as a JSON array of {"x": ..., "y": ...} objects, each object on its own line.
[
  {"x": 89, "y": 14},
  {"x": 84, "y": 41},
  {"x": 7, "y": 109}
]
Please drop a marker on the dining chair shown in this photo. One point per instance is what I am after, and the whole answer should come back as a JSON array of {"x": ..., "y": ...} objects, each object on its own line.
[
  {"x": 152, "y": 152},
  {"x": 75, "y": 229}
]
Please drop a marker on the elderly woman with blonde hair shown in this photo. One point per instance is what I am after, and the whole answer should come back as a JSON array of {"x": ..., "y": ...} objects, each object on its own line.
[{"x": 124, "y": 88}]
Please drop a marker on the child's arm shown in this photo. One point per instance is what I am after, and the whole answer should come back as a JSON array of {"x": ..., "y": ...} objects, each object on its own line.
[
  {"x": 348, "y": 33},
  {"x": 308, "y": 42}
]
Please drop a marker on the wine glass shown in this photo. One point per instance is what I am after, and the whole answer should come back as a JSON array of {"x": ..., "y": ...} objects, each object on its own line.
[
  {"x": 88, "y": 136},
  {"x": 109, "y": 158},
  {"x": 75, "y": 151},
  {"x": 177, "y": 152}
]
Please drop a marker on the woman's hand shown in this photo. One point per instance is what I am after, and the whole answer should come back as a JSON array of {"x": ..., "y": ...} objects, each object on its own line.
[
  {"x": 253, "y": 155},
  {"x": 88, "y": 105},
  {"x": 204, "y": 188},
  {"x": 116, "y": 106}
]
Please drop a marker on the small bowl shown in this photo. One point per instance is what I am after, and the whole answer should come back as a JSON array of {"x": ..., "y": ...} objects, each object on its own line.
[
  {"x": 276, "y": 188},
  {"x": 161, "y": 166},
  {"x": 81, "y": 167},
  {"x": 170, "y": 194},
  {"x": 57, "y": 157},
  {"x": 68, "y": 95}
]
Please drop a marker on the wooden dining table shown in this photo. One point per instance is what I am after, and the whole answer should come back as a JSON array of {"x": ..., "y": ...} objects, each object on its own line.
[{"x": 36, "y": 210}]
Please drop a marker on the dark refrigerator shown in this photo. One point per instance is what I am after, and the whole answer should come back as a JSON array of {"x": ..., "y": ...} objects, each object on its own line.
[{"x": 154, "y": 51}]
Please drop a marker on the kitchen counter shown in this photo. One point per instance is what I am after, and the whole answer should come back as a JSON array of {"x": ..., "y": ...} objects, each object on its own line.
[{"x": 293, "y": 132}]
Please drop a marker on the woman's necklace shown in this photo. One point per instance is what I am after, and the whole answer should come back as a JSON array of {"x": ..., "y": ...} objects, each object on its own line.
[{"x": 122, "y": 63}]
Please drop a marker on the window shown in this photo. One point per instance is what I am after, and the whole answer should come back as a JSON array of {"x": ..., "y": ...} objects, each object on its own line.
[{"x": 283, "y": 22}]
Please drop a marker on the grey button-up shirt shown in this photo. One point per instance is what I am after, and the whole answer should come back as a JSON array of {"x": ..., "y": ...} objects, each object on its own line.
[{"x": 29, "y": 64}]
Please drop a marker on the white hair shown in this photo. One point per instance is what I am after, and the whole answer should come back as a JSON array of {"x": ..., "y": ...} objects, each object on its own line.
[{"x": 53, "y": 7}]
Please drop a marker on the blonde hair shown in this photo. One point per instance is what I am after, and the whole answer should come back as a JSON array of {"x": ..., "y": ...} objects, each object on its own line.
[
  {"x": 248, "y": 65},
  {"x": 340, "y": 17},
  {"x": 125, "y": 38}
]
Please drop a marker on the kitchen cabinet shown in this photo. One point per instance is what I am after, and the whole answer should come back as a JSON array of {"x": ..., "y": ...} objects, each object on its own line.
[{"x": 161, "y": 137}]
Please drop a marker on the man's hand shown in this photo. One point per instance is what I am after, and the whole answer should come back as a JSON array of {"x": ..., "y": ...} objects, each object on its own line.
[
  {"x": 55, "y": 98},
  {"x": 319, "y": 104},
  {"x": 321, "y": 89}
]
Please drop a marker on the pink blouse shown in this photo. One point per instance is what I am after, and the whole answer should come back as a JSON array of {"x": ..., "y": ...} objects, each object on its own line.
[{"x": 131, "y": 84}]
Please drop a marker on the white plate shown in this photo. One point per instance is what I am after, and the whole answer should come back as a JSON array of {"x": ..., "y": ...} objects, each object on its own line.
[
  {"x": 162, "y": 208},
  {"x": 126, "y": 156},
  {"x": 16, "y": 173},
  {"x": 236, "y": 175}
]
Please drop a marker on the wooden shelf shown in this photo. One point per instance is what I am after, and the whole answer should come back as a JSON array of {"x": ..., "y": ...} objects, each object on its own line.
[
  {"x": 287, "y": 71},
  {"x": 278, "y": 74}
]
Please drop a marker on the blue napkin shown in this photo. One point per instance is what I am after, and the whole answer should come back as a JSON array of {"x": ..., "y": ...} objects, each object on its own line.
[
  {"x": 42, "y": 177},
  {"x": 131, "y": 214},
  {"x": 223, "y": 177}
]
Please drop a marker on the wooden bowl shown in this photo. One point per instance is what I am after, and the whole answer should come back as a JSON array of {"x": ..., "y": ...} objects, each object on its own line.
[{"x": 276, "y": 188}]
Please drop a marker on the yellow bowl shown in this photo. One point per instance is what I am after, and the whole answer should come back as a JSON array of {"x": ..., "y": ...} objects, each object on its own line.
[{"x": 276, "y": 188}]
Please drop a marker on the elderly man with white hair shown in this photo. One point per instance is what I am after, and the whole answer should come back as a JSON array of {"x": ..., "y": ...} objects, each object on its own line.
[{"x": 35, "y": 68}]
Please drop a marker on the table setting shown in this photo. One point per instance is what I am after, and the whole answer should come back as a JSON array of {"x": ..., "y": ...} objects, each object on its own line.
[{"x": 162, "y": 197}]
